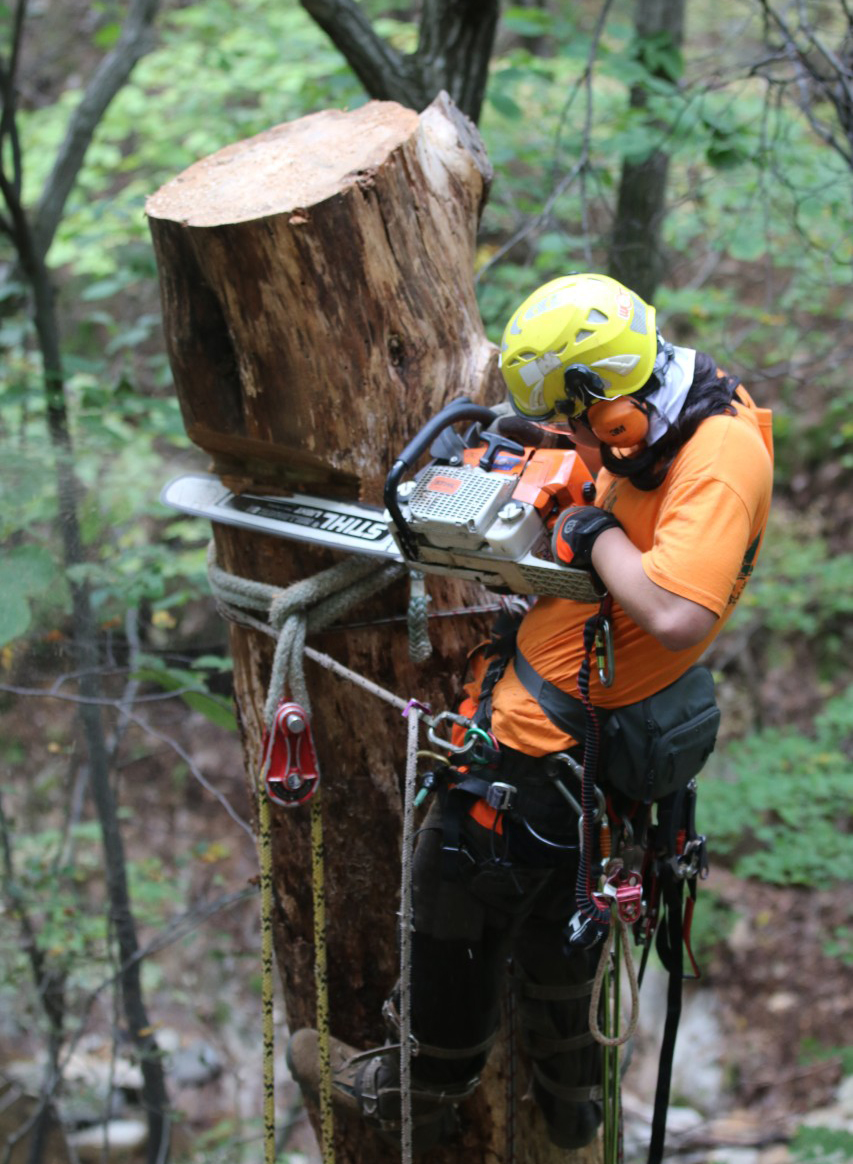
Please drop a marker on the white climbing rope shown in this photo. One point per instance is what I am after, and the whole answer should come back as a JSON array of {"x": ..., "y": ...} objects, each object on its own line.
[
  {"x": 359, "y": 680},
  {"x": 406, "y": 922}
]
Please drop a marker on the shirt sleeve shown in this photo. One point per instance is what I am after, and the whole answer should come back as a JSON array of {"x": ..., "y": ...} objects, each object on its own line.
[
  {"x": 709, "y": 519},
  {"x": 699, "y": 545}
]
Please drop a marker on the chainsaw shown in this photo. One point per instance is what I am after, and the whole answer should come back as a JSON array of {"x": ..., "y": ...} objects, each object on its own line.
[{"x": 481, "y": 509}]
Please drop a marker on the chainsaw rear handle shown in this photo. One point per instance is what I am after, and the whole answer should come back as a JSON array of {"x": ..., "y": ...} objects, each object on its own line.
[{"x": 462, "y": 409}]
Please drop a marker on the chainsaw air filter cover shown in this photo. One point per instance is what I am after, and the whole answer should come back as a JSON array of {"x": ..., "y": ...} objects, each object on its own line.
[{"x": 460, "y": 508}]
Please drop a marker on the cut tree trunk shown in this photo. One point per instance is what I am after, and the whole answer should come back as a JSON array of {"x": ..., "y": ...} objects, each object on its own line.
[{"x": 317, "y": 287}]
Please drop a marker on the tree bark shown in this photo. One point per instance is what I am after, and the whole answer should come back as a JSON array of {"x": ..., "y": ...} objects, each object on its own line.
[
  {"x": 636, "y": 251},
  {"x": 317, "y": 285}
]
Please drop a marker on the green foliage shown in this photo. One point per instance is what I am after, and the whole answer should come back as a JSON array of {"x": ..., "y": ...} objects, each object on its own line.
[
  {"x": 822, "y": 1145},
  {"x": 212, "y": 80},
  {"x": 659, "y": 55},
  {"x": 26, "y": 572},
  {"x": 839, "y": 944},
  {"x": 749, "y": 183},
  {"x": 119, "y": 436},
  {"x": 192, "y": 686},
  {"x": 58, "y": 885},
  {"x": 812, "y": 1051},
  {"x": 216, "y": 76},
  {"x": 801, "y": 591},
  {"x": 783, "y": 808}
]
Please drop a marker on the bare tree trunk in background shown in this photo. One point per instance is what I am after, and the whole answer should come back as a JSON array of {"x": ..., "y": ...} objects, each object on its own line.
[
  {"x": 454, "y": 48},
  {"x": 317, "y": 285},
  {"x": 636, "y": 254}
]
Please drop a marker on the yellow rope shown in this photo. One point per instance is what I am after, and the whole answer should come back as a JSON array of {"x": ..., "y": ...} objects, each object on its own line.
[
  {"x": 318, "y": 883},
  {"x": 265, "y": 860}
]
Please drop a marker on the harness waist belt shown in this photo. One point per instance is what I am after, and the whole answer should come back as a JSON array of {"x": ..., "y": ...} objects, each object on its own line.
[
  {"x": 564, "y": 710},
  {"x": 516, "y": 799}
]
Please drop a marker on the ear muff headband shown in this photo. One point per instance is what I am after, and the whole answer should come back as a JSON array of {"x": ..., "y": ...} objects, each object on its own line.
[{"x": 622, "y": 422}]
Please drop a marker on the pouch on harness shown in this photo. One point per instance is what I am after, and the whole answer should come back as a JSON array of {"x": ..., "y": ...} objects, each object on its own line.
[{"x": 650, "y": 748}]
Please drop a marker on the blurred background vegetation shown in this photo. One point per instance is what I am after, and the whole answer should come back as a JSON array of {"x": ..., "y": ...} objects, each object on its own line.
[{"x": 756, "y": 245}]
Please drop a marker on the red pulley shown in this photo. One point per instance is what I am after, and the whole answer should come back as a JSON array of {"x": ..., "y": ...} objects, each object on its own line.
[{"x": 292, "y": 774}]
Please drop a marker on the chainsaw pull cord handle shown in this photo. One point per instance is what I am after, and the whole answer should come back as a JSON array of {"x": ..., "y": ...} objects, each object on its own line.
[{"x": 461, "y": 409}]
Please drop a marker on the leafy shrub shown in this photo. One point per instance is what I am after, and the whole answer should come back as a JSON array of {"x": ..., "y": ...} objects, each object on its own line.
[
  {"x": 822, "y": 1145},
  {"x": 786, "y": 798}
]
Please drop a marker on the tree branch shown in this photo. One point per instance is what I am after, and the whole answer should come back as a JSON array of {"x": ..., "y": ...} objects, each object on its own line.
[
  {"x": 454, "y": 50},
  {"x": 380, "y": 67},
  {"x": 454, "y": 47},
  {"x": 8, "y": 123},
  {"x": 135, "y": 40}
]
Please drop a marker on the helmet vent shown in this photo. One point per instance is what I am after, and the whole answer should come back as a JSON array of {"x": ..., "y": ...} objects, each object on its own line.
[
  {"x": 583, "y": 335},
  {"x": 596, "y": 316}
]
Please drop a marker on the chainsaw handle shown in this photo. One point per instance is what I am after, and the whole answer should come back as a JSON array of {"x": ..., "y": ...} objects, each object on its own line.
[{"x": 462, "y": 409}]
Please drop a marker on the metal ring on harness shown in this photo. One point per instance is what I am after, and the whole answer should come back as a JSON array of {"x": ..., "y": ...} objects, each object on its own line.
[{"x": 434, "y": 738}]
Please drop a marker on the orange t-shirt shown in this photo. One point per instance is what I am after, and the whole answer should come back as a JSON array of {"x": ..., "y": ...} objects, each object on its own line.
[{"x": 699, "y": 532}]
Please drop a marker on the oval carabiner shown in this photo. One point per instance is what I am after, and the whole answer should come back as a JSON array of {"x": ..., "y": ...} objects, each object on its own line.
[
  {"x": 434, "y": 721},
  {"x": 604, "y": 652}
]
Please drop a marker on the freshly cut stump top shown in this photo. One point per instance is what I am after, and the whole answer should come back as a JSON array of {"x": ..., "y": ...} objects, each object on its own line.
[{"x": 288, "y": 167}]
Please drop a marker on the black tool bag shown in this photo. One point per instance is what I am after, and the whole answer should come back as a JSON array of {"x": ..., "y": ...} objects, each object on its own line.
[
  {"x": 649, "y": 748},
  {"x": 658, "y": 745}
]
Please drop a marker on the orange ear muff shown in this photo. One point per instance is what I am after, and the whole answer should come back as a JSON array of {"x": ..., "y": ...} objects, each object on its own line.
[{"x": 622, "y": 422}]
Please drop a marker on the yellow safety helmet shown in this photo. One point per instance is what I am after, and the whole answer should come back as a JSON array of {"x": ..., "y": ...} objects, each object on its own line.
[{"x": 588, "y": 320}]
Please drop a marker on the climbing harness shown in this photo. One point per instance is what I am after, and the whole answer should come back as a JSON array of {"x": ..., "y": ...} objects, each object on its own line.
[{"x": 290, "y": 777}]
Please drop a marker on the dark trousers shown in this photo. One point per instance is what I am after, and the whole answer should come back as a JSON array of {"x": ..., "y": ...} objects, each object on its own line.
[{"x": 508, "y": 905}]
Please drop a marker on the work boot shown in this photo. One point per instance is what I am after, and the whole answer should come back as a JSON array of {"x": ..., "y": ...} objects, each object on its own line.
[{"x": 367, "y": 1083}]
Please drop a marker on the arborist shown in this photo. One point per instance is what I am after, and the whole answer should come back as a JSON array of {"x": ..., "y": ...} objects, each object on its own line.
[{"x": 683, "y": 464}]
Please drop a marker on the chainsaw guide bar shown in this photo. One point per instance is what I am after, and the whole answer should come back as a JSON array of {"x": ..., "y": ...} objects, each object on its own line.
[
  {"x": 482, "y": 509},
  {"x": 363, "y": 529},
  {"x": 337, "y": 525}
]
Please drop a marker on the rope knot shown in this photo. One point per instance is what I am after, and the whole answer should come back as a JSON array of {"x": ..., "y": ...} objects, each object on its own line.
[{"x": 281, "y": 608}]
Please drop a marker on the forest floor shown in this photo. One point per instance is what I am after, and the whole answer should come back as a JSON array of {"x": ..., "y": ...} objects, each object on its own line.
[{"x": 782, "y": 1003}]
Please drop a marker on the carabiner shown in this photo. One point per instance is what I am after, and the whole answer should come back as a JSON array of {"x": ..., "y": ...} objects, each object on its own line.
[
  {"x": 604, "y": 652},
  {"x": 432, "y": 724}
]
